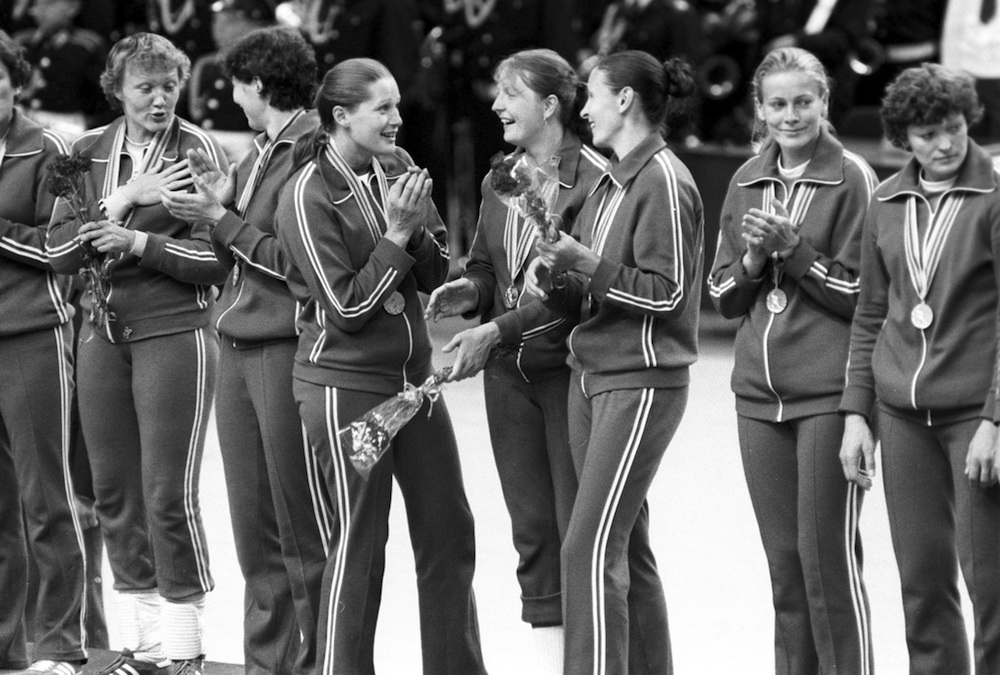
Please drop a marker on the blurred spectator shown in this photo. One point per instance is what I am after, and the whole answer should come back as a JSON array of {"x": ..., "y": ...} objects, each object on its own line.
[
  {"x": 907, "y": 33},
  {"x": 478, "y": 33},
  {"x": 830, "y": 29},
  {"x": 186, "y": 23},
  {"x": 971, "y": 42},
  {"x": 210, "y": 90},
  {"x": 64, "y": 92}
]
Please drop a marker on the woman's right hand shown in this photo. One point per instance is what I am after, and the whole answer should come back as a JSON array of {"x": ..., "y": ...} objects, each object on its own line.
[
  {"x": 857, "y": 451},
  {"x": 454, "y": 298},
  {"x": 220, "y": 183},
  {"x": 407, "y": 205},
  {"x": 538, "y": 279},
  {"x": 144, "y": 189}
]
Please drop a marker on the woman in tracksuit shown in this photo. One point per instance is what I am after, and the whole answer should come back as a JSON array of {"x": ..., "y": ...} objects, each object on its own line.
[
  {"x": 362, "y": 238},
  {"x": 924, "y": 351},
  {"x": 634, "y": 283},
  {"x": 521, "y": 343},
  {"x": 787, "y": 266},
  {"x": 36, "y": 388},
  {"x": 277, "y": 500},
  {"x": 147, "y": 365}
]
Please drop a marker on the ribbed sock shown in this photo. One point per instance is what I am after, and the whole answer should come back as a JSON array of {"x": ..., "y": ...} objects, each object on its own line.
[
  {"x": 548, "y": 642},
  {"x": 183, "y": 629},
  {"x": 139, "y": 619}
]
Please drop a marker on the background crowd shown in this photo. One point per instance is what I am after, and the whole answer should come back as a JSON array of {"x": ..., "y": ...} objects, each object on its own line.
[{"x": 172, "y": 222}]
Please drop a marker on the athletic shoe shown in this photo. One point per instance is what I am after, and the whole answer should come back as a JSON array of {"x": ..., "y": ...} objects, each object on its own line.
[
  {"x": 127, "y": 664},
  {"x": 48, "y": 667},
  {"x": 188, "y": 667}
]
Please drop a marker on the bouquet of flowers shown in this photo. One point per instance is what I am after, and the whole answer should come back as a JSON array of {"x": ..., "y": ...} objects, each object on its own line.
[
  {"x": 66, "y": 182},
  {"x": 529, "y": 189},
  {"x": 370, "y": 436}
]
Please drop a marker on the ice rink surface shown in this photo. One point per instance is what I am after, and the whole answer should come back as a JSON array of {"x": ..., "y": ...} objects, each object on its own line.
[{"x": 703, "y": 529}]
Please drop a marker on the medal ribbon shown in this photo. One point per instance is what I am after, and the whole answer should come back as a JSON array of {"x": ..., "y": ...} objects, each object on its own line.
[
  {"x": 517, "y": 241},
  {"x": 259, "y": 166},
  {"x": 923, "y": 256},
  {"x": 800, "y": 197},
  {"x": 366, "y": 200}
]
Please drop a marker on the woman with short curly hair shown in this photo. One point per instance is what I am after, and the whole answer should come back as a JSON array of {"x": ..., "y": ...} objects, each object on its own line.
[
  {"x": 277, "y": 508},
  {"x": 924, "y": 347}
]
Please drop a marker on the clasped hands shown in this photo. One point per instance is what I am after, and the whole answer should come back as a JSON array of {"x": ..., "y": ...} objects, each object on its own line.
[{"x": 767, "y": 234}]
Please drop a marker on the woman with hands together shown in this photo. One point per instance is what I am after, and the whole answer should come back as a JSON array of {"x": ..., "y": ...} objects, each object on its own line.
[
  {"x": 361, "y": 238},
  {"x": 633, "y": 283},
  {"x": 520, "y": 344},
  {"x": 923, "y": 352},
  {"x": 787, "y": 266},
  {"x": 146, "y": 367}
]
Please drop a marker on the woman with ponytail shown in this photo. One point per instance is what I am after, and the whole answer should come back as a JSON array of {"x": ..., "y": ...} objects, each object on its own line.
[
  {"x": 633, "y": 282},
  {"x": 362, "y": 238},
  {"x": 521, "y": 344},
  {"x": 788, "y": 267}
]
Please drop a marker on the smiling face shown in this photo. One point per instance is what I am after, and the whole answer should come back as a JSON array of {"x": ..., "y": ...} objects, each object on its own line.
[
  {"x": 520, "y": 109},
  {"x": 370, "y": 128},
  {"x": 793, "y": 108},
  {"x": 940, "y": 148},
  {"x": 602, "y": 111},
  {"x": 148, "y": 99}
]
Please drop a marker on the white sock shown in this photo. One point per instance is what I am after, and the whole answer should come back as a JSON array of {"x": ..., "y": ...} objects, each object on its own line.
[
  {"x": 182, "y": 629},
  {"x": 549, "y": 643},
  {"x": 139, "y": 619}
]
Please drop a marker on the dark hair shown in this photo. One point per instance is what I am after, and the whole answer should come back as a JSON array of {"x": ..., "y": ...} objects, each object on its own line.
[
  {"x": 656, "y": 84},
  {"x": 548, "y": 74},
  {"x": 12, "y": 56},
  {"x": 785, "y": 60},
  {"x": 144, "y": 50},
  {"x": 348, "y": 85},
  {"x": 927, "y": 94},
  {"x": 283, "y": 62}
]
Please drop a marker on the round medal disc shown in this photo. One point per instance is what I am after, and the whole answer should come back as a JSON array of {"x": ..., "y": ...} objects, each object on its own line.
[
  {"x": 510, "y": 297},
  {"x": 394, "y": 304},
  {"x": 922, "y": 316},
  {"x": 777, "y": 301}
]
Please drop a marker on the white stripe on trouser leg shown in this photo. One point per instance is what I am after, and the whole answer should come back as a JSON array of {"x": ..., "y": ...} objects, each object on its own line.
[
  {"x": 599, "y": 556},
  {"x": 854, "y": 570},
  {"x": 203, "y": 403},
  {"x": 65, "y": 408},
  {"x": 343, "y": 509},
  {"x": 182, "y": 629},
  {"x": 314, "y": 476}
]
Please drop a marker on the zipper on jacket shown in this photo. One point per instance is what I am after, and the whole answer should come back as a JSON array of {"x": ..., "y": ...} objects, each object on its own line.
[
  {"x": 916, "y": 374},
  {"x": 767, "y": 369},
  {"x": 409, "y": 334},
  {"x": 239, "y": 294}
]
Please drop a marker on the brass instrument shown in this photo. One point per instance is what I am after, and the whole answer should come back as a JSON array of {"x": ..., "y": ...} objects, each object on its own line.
[{"x": 867, "y": 57}]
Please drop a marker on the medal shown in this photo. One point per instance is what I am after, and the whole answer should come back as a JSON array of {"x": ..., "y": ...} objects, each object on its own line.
[
  {"x": 394, "y": 304},
  {"x": 776, "y": 301},
  {"x": 510, "y": 297},
  {"x": 922, "y": 316}
]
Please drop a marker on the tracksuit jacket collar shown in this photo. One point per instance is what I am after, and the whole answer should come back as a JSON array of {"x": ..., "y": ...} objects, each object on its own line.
[
  {"x": 24, "y": 138},
  {"x": 623, "y": 170},
  {"x": 826, "y": 165},
  {"x": 977, "y": 174},
  {"x": 304, "y": 121},
  {"x": 569, "y": 158},
  {"x": 171, "y": 145}
]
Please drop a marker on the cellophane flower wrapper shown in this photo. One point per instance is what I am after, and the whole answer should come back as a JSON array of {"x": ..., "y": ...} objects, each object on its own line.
[
  {"x": 370, "y": 436},
  {"x": 529, "y": 189},
  {"x": 66, "y": 181}
]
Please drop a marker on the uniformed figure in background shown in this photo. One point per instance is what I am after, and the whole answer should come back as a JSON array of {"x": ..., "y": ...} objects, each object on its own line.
[
  {"x": 64, "y": 92},
  {"x": 210, "y": 92}
]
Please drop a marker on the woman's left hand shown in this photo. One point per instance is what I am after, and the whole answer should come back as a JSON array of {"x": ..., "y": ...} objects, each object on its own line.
[
  {"x": 474, "y": 345},
  {"x": 567, "y": 254},
  {"x": 979, "y": 463},
  {"x": 200, "y": 206},
  {"x": 773, "y": 232},
  {"x": 107, "y": 237}
]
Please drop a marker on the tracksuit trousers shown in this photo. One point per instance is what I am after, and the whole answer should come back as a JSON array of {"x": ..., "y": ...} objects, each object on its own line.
[
  {"x": 933, "y": 513},
  {"x": 424, "y": 461},
  {"x": 807, "y": 514},
  {"x": 529, "y": 433},
  {"x": 36, "y": 389},
  {"x": 277, "y": 502},
  {"x": 614, "y": 609}
]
